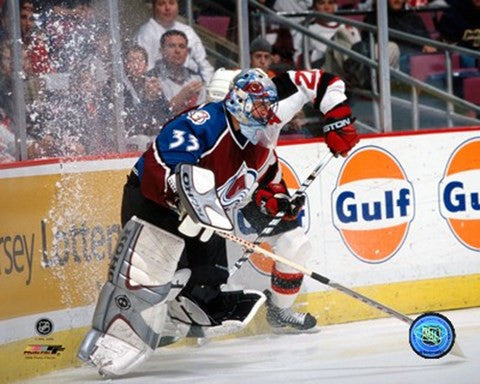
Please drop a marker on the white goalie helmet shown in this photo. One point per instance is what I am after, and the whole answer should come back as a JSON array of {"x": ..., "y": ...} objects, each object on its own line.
[{"x": 252, "y": 100}]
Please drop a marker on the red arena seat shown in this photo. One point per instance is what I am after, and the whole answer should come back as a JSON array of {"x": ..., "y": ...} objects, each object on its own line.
[
  {"x": 216, "y": 24},
  {"x": 422, "y": 66},
  {"x": 471, "y": 89}
]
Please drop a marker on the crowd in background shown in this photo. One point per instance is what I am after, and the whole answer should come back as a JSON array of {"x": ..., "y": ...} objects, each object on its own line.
[{"x": 67, "y": 65}]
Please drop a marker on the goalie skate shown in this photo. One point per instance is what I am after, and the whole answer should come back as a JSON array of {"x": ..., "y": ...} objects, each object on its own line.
[{"x": 286, "y": 320}]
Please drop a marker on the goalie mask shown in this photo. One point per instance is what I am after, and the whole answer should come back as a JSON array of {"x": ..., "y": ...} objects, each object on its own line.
[{"x": 253, "y": 101}]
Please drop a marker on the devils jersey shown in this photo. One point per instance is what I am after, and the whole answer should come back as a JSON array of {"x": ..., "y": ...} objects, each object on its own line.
[{"x": 205, "y": 136}]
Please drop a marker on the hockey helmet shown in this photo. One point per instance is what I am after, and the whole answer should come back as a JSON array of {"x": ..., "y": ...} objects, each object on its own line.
[{"x": 252, "y": 100}]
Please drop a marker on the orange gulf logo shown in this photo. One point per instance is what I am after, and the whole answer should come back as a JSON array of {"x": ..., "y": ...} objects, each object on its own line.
[
  {"x": 373, "y": 204},
  {"x": 459, "y": 193},
  {"x": 261, "y": 263}
]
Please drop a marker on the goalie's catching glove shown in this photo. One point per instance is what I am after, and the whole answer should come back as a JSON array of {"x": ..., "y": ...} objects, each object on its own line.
[
  {"x": 340, "y": 133},
  {"x": 273, "y": 198}
]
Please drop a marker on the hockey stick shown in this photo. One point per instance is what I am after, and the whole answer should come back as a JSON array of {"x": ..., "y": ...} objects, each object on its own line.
[
  {"x": 456, "y": 350},
  {"x": 278, "y": 217},
  {"x": 199, "y": 198}
]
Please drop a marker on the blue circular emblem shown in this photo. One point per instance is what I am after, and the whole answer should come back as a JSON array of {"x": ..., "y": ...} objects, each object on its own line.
[{"x": 432, "y": 335}]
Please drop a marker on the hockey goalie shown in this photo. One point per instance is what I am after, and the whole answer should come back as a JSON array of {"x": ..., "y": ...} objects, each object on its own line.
[{"x": 166, "y": 275}]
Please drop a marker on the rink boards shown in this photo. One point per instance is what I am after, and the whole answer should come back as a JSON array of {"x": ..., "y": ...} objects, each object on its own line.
[{"x": 399, "y": 220}]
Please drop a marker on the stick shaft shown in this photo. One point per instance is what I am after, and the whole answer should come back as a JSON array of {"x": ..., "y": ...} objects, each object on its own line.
[
  {"x": 278, "y": 217},
  {"x": 316, "y": 276},
  {"x": 456, "y": 350}
]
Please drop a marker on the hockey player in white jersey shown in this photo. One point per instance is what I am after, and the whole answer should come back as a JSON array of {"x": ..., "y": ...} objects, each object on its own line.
[
  {"x": 165, "y": 263},
  {"x": 295, "y": 88}
]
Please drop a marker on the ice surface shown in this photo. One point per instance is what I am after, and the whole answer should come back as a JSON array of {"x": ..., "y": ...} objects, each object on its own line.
[{"x": 369, "y": 352}]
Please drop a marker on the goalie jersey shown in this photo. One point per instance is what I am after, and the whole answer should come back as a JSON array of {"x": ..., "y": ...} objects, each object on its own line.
[{"x": 205, "y": 136}]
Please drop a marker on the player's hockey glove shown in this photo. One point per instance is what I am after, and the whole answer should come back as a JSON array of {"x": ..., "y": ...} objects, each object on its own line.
[
  {"x": 274, "y": 198},
  {"x": 340, "y": 133}
]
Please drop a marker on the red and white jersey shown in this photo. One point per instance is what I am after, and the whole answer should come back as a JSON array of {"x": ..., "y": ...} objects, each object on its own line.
[
  {"x": 206, "y": 137},
  {"x": 297, "y": 88}
]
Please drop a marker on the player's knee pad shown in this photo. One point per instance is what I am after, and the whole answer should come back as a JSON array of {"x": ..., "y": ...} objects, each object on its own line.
[
  {"x": 131, "y": 309},
  {"x": 293, "y": 245}
]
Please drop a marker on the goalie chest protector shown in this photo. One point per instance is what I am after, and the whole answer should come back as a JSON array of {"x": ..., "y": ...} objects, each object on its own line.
[{"x": 204, "y": 136}]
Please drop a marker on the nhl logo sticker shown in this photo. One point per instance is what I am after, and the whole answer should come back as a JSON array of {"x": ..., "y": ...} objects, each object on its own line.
[
  {"x": 44, "y": 327},
  {"x": 432, "y": 335}
]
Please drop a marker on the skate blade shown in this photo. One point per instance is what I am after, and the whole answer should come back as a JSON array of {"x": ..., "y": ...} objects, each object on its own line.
[{"x": 293, "y": 331}]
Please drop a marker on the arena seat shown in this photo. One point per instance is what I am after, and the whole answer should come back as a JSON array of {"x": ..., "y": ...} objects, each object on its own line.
[
  {"x": 423, "y": 65},
  {"x": 216, "y": 24},
  {"x": 471, "y": 89}
]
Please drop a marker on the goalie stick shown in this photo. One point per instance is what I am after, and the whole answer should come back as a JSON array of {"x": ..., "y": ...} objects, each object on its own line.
[{"x": 278, "y": 217}]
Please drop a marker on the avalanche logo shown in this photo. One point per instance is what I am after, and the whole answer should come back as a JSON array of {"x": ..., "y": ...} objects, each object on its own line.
[
  {"x": 198, "y": 116},
  {"x": 373, "y": 204},
  {"x": 261, "y": 263},
  {"x": 459, "y": 193},
  {"x": 236, "y": 188}
]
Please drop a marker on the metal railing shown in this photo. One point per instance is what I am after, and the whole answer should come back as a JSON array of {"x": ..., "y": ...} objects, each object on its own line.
[{"x": 448, "y": 97}]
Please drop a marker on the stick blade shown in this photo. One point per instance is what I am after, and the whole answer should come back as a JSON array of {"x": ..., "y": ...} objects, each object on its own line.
[{"x": 457, "y": 351}]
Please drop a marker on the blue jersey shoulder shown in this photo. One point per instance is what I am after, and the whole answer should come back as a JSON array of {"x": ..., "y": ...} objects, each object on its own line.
[{"x": 189, "y": 135}]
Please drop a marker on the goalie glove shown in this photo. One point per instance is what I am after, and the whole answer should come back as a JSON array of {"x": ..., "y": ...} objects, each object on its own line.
[
  {"x": 340, "y": 133},
  {"x": 273, "y": 198}
]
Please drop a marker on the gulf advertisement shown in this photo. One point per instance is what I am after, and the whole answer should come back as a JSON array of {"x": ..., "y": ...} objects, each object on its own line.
[{"x": 398, "y": 219}]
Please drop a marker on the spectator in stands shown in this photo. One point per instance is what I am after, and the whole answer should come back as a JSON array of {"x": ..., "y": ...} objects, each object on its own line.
[
  {"x": 99, "y": 57},
  {"x": 146, "y": 108},
  {"x": 297, "y": 6},
  {"x": 460, "y": 24},
  {"x": 34, "y": 39},
  {"x": 331, "y": 30},
  {"x": 267, "y": 3},
  {"x": 6, "y": 96},
  {"x": 72, "y": 123},
  {"x": 181, "y": 86},
  {"x": 408, "y": 22},
  {"x": 3, "y": 21},
  {"x": 261, "y": 55},
  {"x": 282, "y": 52},
  {"x": 163, "y": 19},
  {"x": 31, "y": 83},
  {"x": 7, "y": 138}
]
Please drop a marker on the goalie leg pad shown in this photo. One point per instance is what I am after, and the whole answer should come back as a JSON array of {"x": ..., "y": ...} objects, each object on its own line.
[{"x": 130, "y": 312}]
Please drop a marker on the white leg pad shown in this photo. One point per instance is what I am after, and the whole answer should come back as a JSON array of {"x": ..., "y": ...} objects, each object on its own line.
[
  {"x": 119, "y": 351},
  {"x": 131, "y": 309}
]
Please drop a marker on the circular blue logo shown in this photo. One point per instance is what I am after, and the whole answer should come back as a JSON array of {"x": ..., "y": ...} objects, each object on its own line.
[{"x": 432, "y": 335}]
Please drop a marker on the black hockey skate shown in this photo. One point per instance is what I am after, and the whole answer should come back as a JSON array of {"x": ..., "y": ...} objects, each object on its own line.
[{"x": 286, "y": 320}]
